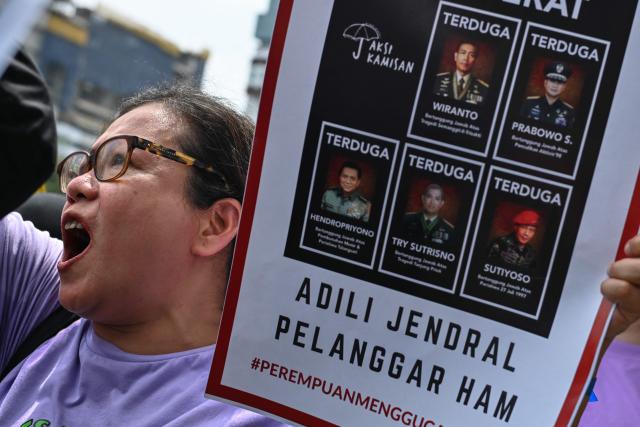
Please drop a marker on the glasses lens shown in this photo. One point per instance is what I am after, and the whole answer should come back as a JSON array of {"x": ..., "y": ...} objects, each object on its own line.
[
  {"x": 111, "y": 158},
  {"x": 74, "y": 165}
]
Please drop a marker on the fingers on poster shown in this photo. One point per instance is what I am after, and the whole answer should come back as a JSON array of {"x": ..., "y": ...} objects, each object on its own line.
[
  {"x": 348, "y": 193},
  {"x": 463, "y": 77},
  {"x": 515, "y": 241},
  {"x": 554, "y": 91},
  {"x": 434, "y": 198}
]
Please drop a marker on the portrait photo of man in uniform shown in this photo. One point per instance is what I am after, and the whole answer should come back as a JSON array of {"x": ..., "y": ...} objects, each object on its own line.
[
  {"x": 550, "y": 108},
  {"x": 428, "y": 226},
  {"x": 461, "y": 83},
  {"x": 516, "y": 248},
  {"x": 346, "y": 199}
]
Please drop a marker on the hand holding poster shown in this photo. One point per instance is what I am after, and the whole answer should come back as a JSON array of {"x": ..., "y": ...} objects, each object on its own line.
[{"x": 430, "y": 212}]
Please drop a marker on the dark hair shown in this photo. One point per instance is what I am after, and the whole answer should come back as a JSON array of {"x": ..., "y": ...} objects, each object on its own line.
[
  {"x": 471, "y": 42},
  {"x": 434, "y": 187},
  {"x": 351, "y": 165},
  {"x": 215, "y": 134}
]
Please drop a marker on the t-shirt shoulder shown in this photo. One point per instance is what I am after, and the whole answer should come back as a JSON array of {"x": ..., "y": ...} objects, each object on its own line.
[{"x": 28, "y": 280}]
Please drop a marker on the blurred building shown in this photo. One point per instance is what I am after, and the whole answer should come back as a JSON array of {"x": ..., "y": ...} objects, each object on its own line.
[
  {"x": 264, "y": 29},
  {"x": 91, "y": 59}
]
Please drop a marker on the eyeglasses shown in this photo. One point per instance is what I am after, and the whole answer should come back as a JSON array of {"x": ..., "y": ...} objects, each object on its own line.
[{"x": 111, "y": 160}]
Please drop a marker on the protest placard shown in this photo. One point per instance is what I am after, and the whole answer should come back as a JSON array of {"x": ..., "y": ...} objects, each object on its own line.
[{"x": 435, "y": 193}]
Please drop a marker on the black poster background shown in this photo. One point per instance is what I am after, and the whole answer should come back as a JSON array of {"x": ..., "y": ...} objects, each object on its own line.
[{"x": 378, "y": 99}]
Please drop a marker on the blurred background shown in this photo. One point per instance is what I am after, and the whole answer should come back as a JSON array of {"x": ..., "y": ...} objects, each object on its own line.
[{"x": 95, "y": 53}]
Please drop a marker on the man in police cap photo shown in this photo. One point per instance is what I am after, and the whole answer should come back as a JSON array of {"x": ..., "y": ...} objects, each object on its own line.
[
  {"x": 461, "y": 84},
  {"x": 549, "y": 108},
  {"x": 515, "y": 248},
  {"x": 427, "y": 226},
  {"x": 346, "y": 199}
]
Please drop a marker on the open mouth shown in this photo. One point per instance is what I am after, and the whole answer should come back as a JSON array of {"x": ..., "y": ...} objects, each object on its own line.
[{"x": 76, "y": 240}]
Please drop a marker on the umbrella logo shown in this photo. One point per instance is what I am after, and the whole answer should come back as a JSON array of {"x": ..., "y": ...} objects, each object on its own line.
[{"x": 361, "y": 32}]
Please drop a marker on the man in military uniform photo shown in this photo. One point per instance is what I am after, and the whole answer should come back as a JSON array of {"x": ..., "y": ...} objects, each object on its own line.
[
  {"x": 549, "y": 108},
  {"x": 427, "y": 226},
  {"x": 514, "y": 248},
  {"x": 461, "y": 84},
  {"x": 346, "y": 199}
]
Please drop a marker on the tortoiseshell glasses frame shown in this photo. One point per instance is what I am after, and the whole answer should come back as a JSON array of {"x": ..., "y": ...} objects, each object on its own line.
[{"x": 111, "y": 159}]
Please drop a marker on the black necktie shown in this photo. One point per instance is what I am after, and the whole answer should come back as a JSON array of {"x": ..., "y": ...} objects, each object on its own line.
[{"x": 460, "y": 86}]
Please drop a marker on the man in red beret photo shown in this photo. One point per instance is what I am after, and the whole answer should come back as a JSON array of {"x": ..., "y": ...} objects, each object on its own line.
[{"x": 515, "y": 248}]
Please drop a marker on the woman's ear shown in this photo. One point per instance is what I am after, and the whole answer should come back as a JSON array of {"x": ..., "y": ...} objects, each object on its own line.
[{"x": 218, "y": 227}]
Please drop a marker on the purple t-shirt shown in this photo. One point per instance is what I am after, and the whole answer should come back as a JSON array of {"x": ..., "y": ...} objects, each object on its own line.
[
  {"x": 77, "y": 378},
  {"x": 617, "y": 389}
]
